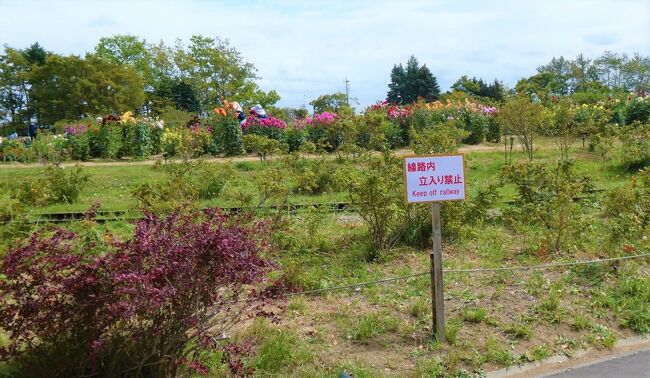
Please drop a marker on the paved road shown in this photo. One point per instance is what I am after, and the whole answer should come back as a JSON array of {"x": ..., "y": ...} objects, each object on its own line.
[{"x": 636, "y": 365}]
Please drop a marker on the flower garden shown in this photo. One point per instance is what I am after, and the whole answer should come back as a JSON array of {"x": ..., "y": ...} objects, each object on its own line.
[{"x": 210, "y": 268}]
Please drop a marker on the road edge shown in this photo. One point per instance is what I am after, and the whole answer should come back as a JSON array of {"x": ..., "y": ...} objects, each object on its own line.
[{"x": 581, "y": 358}]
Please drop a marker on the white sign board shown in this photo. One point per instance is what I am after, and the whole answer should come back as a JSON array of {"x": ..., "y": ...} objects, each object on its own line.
[{"x": 434, "y": 178}]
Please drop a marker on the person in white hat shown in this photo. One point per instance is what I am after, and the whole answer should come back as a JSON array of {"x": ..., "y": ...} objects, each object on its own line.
[{"x": 258, "y": 111}]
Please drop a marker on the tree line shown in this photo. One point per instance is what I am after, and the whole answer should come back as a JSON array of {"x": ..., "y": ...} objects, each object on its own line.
[
  {"x": 123, "y": 73},
  {"x": 587, "y": 80},
  {"x": 608, "y": 73}
]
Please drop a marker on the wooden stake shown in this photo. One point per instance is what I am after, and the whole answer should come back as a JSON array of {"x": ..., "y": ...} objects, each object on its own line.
[{"x": 437, "y": 297}]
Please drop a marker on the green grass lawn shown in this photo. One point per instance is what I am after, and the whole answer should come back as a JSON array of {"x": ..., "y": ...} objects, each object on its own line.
[{"x": 112, "y": 185}]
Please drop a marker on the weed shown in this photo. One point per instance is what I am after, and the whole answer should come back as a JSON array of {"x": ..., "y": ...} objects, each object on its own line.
[
  {"x": 519, "y": 331},
  {"x": 298, "y": 306},
  {"x": 535, "y": 284},
  {"x": 371, "y": 325},
  {"x": 419, "y": 309},
  {"x": 549, "y": 309},
  {"x": 475, "y": 315},
  {"x": 494, "y": 352},
  {"x": 452, "y": 328},
  {"x": 567, "y": 344},
  {"x": 280, "y": 349},
  {"x": 593, "y": 274},
  {"x": 245, "y": 166},
  {"x": 632, "y": 300},
  {"x": 581, "y": 323},
  {"x": 602, "y": 337},
  {"x": 539, "y": 352},
  {"x": 430, "y": 368}
]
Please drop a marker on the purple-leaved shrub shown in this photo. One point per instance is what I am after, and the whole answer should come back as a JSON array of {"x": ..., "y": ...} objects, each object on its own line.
[{"x": 143, "y": 307}]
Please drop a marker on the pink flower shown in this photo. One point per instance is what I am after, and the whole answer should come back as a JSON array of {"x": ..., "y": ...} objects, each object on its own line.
[
  {"x": 269, "y": 121},
  {"x": 76, "y": 129}
]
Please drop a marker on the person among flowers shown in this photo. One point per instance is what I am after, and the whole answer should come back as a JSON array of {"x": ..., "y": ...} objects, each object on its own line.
[
  {"x": 257, "y": 111},
  {"x": 241, "y": 117}
]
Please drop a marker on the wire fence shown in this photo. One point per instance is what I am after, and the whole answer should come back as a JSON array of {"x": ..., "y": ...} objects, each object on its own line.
[{"x": 359, "y": 285}]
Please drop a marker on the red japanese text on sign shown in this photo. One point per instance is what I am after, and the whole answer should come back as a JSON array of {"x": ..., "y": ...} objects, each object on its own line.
[{"x": 446, "y": 184}]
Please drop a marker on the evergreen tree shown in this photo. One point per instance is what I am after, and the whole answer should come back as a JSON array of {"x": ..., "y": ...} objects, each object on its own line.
[
  {"x": 413, "y": 82},
  {"x": 184, "y": 97},
  {"x": 35, "y": 54}
]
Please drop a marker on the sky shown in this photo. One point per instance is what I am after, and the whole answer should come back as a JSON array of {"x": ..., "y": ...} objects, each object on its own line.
[{"x": 303, "y": 49}]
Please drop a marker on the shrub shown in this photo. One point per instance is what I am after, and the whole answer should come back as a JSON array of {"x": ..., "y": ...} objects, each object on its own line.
[
  {"x": 328, "y": 130},
  {"x": 260, "y": 145},
  {"x": 294, "y": 138},
  {"x": 439, "y": 138},
  {"x": 394, "y": 135},
  {"x": 476, "y": 124},
  {"x": 13, "y": 150},
  {"x": 156, "y": 136},
  {"x": 49, "y": 148},
  {"x": 145, "y": 307},
  {"x": 185, "y": 142},
  {"x": 638, "y": 110},
  {"x": 603, "y": 142},
  {"x": 312, "y": 176},
  {"x": 227, "y": 135},
  {"x": 525, "y": 120},
  {"x": 627, "y": 211},
  {"x": 370, "y": 131},
  {"x": 269, "y": 127},
  {"x": 77, "y": 141},
  {"x": 563, "y": 127},
  {"x": 635, "y": 152},
  {"x": 169, "y": 141},
  {"x": 137, "y": 139},
  {"x": 66, "y": 185},
  {"x": 57, "y": 185},
  {"x": 376, "y": 191},
  {"x": 493, "y": 130},
  {"x": 184, "y": 184},
  {"x": 106, "y": 140},
  {"x": 545, "y": 202}
]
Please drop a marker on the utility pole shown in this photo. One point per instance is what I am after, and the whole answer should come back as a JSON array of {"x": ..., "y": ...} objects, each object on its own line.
[{"x": 347, "y": 91}]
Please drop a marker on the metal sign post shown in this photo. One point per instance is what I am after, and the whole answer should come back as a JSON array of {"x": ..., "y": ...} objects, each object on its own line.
[{"x": 435, "y": 178}]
